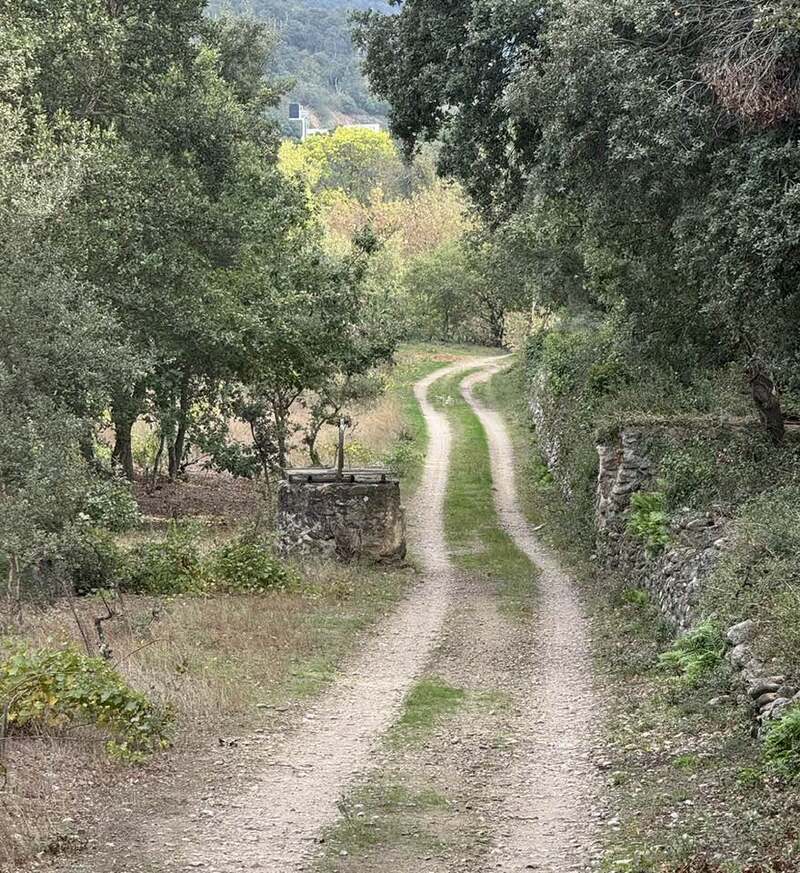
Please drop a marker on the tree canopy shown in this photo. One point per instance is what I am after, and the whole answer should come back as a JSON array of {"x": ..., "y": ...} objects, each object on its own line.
[
  {"x": 640, "y": 158},
  {"x": 155, "y": 262}
]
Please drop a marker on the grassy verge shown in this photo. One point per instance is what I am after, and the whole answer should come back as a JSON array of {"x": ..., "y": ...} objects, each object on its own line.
[
  {"x": 688, "y": 787},
  {"x": 227, "y": 666},
  {"x": 478, "y": 542}
]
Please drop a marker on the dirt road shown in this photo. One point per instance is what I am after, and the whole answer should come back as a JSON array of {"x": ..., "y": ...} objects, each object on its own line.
[
  {"x": 551, "y": 800},
  {"x": 523, "y": 803},
  {"x": 273, "y": 826}
]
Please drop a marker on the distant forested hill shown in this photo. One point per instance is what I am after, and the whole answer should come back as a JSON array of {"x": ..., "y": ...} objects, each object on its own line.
[{"x": 316, "y": 51}]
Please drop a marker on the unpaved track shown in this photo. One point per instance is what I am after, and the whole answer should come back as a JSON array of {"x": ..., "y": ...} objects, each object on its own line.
[
  {"x": 274, "y": 826},
  {"x": 550, "y": 795}
]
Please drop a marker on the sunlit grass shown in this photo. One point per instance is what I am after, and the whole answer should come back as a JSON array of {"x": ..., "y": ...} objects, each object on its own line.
[{"x": 477, "y": 540}]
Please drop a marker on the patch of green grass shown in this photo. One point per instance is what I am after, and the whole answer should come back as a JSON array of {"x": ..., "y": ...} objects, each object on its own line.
[
  {"x": 429, "y": 702},
  {"x": 686, "y": 762},
  {"x": 382, "y": 816},
  {"x": 476, "y": 539}
]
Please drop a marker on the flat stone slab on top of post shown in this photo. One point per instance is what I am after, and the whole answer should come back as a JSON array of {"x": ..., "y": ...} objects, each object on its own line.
[{"x": 357, "y": 515}]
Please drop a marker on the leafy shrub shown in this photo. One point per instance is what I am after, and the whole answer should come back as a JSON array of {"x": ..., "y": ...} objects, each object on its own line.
[
  {"x": 782, "y": 744},
  {"x": 759, "y": 574},
  {"x": 687, "y": 475},
  {"x": 649, "y": 521},
  {"x": 246, "y": 568},
  {"x": 53, "y": 689},
  {"x": 175, "y": 565},
  {"x": 110, "y": 504},
  {"x": 403, "y": 457},
  {"x": 169, "y": 566},
  {"x": 696, "y": 654},
  {"x": 92, "y": 560}
]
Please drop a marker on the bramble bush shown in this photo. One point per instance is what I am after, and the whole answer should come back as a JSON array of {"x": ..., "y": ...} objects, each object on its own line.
[
  {"x": 46, "y": 689},
  {"x": 111, "y": 505},
  {"x": 403, "y": 456},
  {"x": 175, "y": 565},
  {"x": 169, "y": 566},
  {"x": 92, "y": 560},
  {"x": 245, "y": 568}
]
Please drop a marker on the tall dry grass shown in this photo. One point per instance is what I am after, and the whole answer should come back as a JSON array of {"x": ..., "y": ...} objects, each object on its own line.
[{"x": 213, "y": 660}]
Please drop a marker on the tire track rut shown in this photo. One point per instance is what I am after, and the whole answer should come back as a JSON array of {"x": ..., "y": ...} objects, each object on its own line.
[{"x": 550, "y": 796}]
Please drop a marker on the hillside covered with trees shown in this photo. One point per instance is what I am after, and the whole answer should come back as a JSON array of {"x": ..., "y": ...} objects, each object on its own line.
[{"x": 314, "y": 50}]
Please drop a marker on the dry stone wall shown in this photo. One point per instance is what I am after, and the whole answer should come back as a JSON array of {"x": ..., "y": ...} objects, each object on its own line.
[
  {"x": 627, "y": 464},
  {"x": 674, "y": 578},
  {"x": 765, "y": 684},
  {"x": 344, "y": 520}
]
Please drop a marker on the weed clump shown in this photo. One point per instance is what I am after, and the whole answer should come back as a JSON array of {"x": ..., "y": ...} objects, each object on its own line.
[
  {"x": 649, "y": 520},
  {"x": 46, "y": 689},
  {"x": 695, "y": 655},
  {"x": 758, "y": 575},
  {"x": 782, "y": 744}
]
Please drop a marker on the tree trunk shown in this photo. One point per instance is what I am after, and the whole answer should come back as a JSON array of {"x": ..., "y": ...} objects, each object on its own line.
[
  {"x": 313, "y": 454},
  {"x": 125, "y": 410},
  {"x": 767, "y": 400},
  {"x": 14, "y": 589},
  {"x": 87, "y": 447},
  {"x": 280, "y": 434},
  {"x": 178, "y": 448},
  {"x": 498, "y": 327},
  {"x": 157, "y": 463},
  {"x": 122, "y": 456}
]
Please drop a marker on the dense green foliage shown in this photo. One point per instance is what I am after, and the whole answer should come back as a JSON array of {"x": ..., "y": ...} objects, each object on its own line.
[
  {"x": 177, "y": 564},
  {"x": 155, "y": 263},
  {"x": 640, "y": 158},
  {"x": 648, "y": 520},
  {"x": 57, "y": 689}
]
